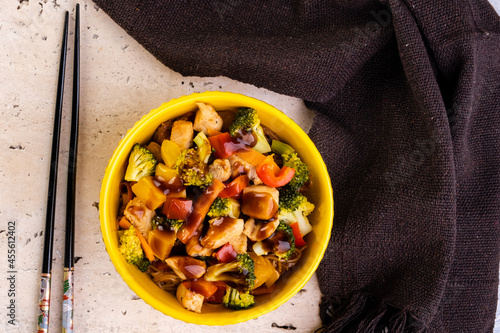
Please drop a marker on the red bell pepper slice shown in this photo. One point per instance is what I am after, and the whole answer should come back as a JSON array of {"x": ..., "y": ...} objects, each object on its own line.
[
  {"x": 226, "y": 254},
  {"x": 269, "y": 172},
  {"x": 217, "y": 142},
  {"x": 177, "y": 208},
  {"x": 218, "y": 296},
  {"x": 225, "y": 145},
  {"x": 299, "y": 241},
  {"x": 234, "y": 188},
  {"x": 200, "y": 210}
]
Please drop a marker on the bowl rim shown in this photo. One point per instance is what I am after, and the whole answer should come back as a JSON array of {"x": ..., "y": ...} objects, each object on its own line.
[{"x": 106, "y": 228}]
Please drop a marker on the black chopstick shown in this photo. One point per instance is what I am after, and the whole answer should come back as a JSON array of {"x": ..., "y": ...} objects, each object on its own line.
[
  {"x": 67, "y": 315},
  {"x": 46, "y": 274}
]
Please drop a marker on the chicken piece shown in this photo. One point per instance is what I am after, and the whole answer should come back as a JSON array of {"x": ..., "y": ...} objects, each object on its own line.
[
  {"x": 240, "y": 244},
  {"x": 260, "y": 201},
  {"x": 189, "y": 299},
  {"x": 194, "y": 248},
  {"x": 239, "y": 166},
  {"x": 257, "y": 231},
  {"x": 189, "y": 116},
  {"x": 221, "y": 231},
  {"x": 162, "y": 132},
  {"x": 140, "y": 216},
  {"x": 182, "y": 133},
  {"x": 206, "y": 117},
  {"x": 186, "y": 267},
  {"x": 220, "y": 169}
]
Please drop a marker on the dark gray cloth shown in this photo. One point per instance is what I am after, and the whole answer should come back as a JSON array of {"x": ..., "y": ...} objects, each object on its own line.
[{"x": 407, "y": 95}]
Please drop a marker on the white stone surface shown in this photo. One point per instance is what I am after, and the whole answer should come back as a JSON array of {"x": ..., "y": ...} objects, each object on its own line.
[{"x": 120, "y": 82}]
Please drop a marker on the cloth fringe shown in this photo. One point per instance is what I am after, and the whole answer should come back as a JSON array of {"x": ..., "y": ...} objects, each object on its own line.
[{"x": 362, "y": 314}]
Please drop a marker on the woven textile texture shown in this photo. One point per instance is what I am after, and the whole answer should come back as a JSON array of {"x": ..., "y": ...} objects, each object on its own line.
[{"x": 407, "y": 101}]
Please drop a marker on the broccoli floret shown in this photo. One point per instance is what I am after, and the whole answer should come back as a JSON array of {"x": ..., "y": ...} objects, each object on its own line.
[
  {"x": 219, "y": 207},
  {"x": 192, "y": 170},
  {"x": 239, "y": 271},
  {"x": 301, "y": 175},
  {"x": 294, "y": 207},
  {"x": 157, "y": 221},
  {"x": 131, "y": 250},
  {"x": 143, "y": 265},
  {"x": 141, "y": 163},
  {"x": 172, "y": 224},
  {"x": 247, "y": 120},
  {"x": 236, "y": 300},
  {"x": 288, "y": 232},
  {"x": 291, "y": 201},
  {"x": 225, "y": 207},
  {"x": 282, "y": 235},
  {"x": 208, "y": 260}
]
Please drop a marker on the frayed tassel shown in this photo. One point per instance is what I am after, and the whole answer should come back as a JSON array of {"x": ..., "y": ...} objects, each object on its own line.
[
  {"x": 344, "y": 314},
  {"x": 405, "y": 322},
  {"x": 398, "y": 322},
  {"x": 372, "y": 320},
  {"x": 362, "y": 314}
]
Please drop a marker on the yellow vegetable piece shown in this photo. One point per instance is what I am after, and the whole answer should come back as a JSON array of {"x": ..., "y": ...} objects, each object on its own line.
[
  {"x": 169, "y": 152},
  {"x": 264, "y": 270},
  {"x": 165, "y": 172},
  {"x": 204, "y": 147},
  {"x": 155, "y": 149},
  {"x": 181, "y": 194},
  {"x": 171, "y": 177},
  {"x": 273, "y": 278},
  {"x": 146, "y": 190},
  {"x": 161, "y": 242},
  {"x": 235, "y": 208}
]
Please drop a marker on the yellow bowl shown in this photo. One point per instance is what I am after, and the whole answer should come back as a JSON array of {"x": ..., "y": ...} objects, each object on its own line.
[{"x": 320, "y": 194}]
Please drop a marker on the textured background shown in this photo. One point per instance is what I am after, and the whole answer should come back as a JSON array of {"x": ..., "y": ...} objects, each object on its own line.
[{"x": 120, "y": 82}]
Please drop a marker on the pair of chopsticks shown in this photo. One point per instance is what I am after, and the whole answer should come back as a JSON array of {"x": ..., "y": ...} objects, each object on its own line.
[{"x": 45, "y": 283}]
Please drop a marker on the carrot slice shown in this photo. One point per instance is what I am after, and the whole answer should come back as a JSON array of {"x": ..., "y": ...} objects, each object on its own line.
[
  {"x": 212, "y": 132},
  {"x": 251, "y": 155},
  {"x": 124, "y": 223},
  {"x": 145, "y": 246}
]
